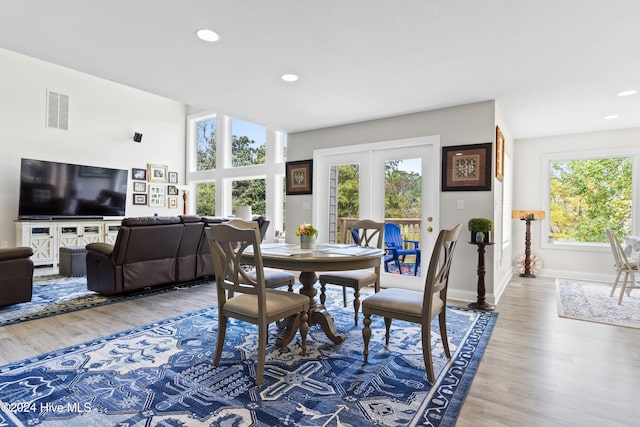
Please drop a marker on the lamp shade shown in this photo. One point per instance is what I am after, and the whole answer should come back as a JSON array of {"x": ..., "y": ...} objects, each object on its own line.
[{"x": 244, "y": 212}]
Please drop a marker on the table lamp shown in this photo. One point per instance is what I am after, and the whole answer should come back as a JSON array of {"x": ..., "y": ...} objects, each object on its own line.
[{"x": 527, "y": 216}]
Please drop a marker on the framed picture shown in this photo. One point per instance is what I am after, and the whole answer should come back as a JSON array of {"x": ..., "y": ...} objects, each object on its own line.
[
  {"x": 299, "y": 176},
  {"x": 157, "y": 195},
  {"x": 157, "y": 173},
  {"x": 139, "y": 174},
  {"x": 139, "y": 199},
  {"x": 499, "y": 154},
  {"x": 466, "y": 167},
  {"x": 173, "y": 202},
  {"x": 139, "y": 187},
  {"x": 173, "y": 177},
  {"x": 172, "y": 190}
]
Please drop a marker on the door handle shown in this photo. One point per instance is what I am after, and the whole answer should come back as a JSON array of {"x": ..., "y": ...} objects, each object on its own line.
[{"x": 429, "y": 229}]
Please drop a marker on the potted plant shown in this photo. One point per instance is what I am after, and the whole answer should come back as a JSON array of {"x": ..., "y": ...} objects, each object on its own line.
[
  {"x": 307, "y": 233},
  {"x": 480, "y": 229}
]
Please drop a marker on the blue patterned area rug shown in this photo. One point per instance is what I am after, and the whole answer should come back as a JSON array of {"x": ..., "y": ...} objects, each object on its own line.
[
  {"x": 161, "y": 374},
  {"x": 591, "y": 301},
  {"x": 67, "y": 294}
]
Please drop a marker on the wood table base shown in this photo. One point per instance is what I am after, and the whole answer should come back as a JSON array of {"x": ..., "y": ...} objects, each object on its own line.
[{"x": 482, "y": 306}]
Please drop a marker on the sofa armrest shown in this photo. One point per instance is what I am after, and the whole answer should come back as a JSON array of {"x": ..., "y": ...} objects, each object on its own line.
[
  {"x": 104, "y": 249},
  {"x": 15, "y": 253}
]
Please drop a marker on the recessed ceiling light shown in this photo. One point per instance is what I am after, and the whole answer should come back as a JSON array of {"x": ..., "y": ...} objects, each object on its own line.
[
  {"x": 611, "y": 117},
  {"x": 289, "y": 77},
  {"x": 627, "y": 92},
  {"x": 208, "y": 35}
]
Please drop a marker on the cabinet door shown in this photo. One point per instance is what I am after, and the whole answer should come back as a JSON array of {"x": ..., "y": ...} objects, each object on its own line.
[
  {"x": 41, "y": 241},
  {"x": 111, "y": 232},
  {"x": 91, "y": 233},
  {"x": 69, "y": 235}
]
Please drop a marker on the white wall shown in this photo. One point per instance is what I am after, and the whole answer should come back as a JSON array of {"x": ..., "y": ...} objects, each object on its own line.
[
  {"x": 528, "y": 195},
  {"x": 459, "y": 125},
  {"x": 102, "y": 119}
]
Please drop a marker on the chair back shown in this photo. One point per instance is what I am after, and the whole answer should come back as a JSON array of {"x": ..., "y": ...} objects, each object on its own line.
[
  {"x": 229, "y": 243},
  {"x": 392, "y": 235},
  {"x": 367, "y": 233},
  {"x": 619, "y": 256},
  {"x": 437, "y": 280}
]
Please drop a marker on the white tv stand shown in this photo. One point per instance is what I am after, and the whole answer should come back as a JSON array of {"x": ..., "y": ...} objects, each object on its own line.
[{"x": 46, "y": 237}]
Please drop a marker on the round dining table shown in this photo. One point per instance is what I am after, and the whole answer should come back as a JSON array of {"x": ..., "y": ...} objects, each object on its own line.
[{"x": 323, "y": 257}]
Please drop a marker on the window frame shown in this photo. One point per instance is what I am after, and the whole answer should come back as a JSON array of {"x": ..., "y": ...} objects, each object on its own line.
[{"x": 545, "y": 241}]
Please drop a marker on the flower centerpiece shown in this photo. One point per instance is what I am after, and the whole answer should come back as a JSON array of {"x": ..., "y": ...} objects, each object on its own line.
[{"x": 307, "y": 233}]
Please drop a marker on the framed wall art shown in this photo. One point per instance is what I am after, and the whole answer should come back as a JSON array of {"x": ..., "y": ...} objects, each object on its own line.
[
  {"x": 157, "y": 195},
  {"x": 139, "y": 187},
  {"x": 172, "y": 190},
  {"x": 139, "y": 174},
  {"x": 466, "y": 167},
  {"x": 173, "y": 202},
  {"x": 157, "y": 173},
  {"x": 499, "y": 154},
  {"x": 299, "y": 176},
  {"x": 173, "y": 177},
  {"x": 139, "y": 199}
]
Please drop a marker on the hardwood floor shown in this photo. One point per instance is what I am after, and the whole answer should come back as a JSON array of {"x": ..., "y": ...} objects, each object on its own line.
[{"x": 538, "y": 369}]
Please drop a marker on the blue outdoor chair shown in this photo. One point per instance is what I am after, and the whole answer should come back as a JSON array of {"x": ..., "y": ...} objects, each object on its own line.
[{"x": 395, "y": 247}]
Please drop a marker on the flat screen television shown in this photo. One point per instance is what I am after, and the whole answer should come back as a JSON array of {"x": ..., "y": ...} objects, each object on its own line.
[{"x": 62, "y": 190}]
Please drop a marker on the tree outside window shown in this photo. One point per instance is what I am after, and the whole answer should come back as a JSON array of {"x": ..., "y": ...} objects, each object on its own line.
[
  {"x": 588, "y": 195},
  {"x": 206, "y": 144}
]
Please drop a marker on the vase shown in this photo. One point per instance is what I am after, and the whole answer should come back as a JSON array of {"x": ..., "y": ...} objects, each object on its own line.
[
  {"x": 306, "y": 241},
  {"x": 479, "y": 237}
]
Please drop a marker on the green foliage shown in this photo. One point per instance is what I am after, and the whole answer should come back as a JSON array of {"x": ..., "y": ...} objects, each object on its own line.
[
  {"x": 206, "y": 199},
  {"x": 403, "y": 192},
  {"x": 483, "y": 225},
  {"x": 588, "y": 195},
  {"x": 206, "y": 141},
  {"x": 349, "y": 191},
  {"x": 245, "y": 152},
  {"x": 250, "y": 193}
]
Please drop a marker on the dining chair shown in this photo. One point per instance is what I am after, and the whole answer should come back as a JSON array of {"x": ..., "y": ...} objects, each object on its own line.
[
  {"x": 366, "y": 233},
  {"x": 273, "y": 277},
  {"x": 417, "y": 307},
  {"x": 253, "y": 302},
  {"x": 395, "y": 246},
  {"x": 622, "y": 265}
]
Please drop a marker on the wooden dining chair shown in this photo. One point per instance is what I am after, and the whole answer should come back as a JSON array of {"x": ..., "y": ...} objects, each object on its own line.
[
  {"x": 622, "y": 265},
  {"x": 365, "y": 233},
  {"x": 417, "y": 307},
  {"x": 251, "y": 301}
]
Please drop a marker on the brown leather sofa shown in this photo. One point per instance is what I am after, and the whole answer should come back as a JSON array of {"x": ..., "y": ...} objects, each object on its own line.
[
  {"x": 16, "y": 275},
  {"x": 150, "y": 251}
]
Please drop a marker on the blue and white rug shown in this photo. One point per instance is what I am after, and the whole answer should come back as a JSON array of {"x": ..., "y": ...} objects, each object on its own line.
[
  {"x": 67, "y": 294},
  {"x": 591, "y": 301},
  {"x": 161, "y": 374}
]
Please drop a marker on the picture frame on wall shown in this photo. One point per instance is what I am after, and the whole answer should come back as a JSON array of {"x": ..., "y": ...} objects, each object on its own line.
[
  {"x": 157, "y": 195},
  {"x": 172, "y": 190},
  {"x": 140, "y": 187},
  {"x": 299, "y": 175},
  {"x": 157, "y": 173},
  {"x": 173, "y": 177},
  {"x": 173, "y": 202},
  {"x": 139, "y": 199},
  {"x": 139, "y": 174},
  {"x": 466, "y": 167},
  {"x": 499, "y": 154}
]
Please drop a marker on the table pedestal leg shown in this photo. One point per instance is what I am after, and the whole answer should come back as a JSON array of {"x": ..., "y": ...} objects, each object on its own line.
[
  {"x": 481, "y": 303},
  {"x": 318, "y": 315}
]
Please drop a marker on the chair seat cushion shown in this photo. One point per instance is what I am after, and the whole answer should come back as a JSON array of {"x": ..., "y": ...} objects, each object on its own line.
[
  {"x": 274, "y": 277},
  {"x": 350, "y": 278},
  {"x": 400, "y": 303},
  {"x": 277, "y": 302}
]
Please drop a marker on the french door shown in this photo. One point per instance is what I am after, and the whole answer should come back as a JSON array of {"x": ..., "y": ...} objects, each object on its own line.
[{"x": 397, "y": 181}]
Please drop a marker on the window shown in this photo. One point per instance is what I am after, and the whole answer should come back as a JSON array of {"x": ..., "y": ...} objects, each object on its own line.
[
  {"x": 206, "y": 199},
  {"x": 250, "y": 192},
  {"x": 587, "y": 192},
  {"x": 248, "y": 143},
  {"x": 206, "y": 143}
]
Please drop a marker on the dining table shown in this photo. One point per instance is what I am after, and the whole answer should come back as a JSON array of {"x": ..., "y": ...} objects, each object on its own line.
[{"x": 322, "y": 257}]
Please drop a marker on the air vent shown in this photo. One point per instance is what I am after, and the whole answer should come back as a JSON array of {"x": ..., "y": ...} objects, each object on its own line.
[{"x": 57, "y": 110}]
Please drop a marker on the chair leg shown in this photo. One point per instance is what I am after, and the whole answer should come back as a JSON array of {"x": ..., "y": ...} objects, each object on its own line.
[
  {"x": 366, "y": 335},
  {"x": 387, "y": 324},
  {"x": 624, "y": 286},
  {"x": 615, "y": 283},
  {"x": 304, "y": 329},
  {"x": 344, "y": 297},
  {"x": 442, "y": 319},
  {"x": 263, "y": 332},
  {"x": 323, "y": 296},
  {"x": 426, "y": 353},
  {"x": 356, "y": 303},
  {"x": 222, "y": 330}
]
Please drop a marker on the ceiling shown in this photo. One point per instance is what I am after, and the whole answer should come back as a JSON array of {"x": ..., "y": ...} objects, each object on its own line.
[{"x": 554, "y": 67}]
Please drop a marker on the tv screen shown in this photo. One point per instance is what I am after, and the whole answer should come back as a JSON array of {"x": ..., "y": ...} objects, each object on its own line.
[{"x": 59, "y": 190}]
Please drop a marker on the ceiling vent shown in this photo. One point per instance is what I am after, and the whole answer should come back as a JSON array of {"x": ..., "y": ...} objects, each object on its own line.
[{"x": 57, "y": 110}]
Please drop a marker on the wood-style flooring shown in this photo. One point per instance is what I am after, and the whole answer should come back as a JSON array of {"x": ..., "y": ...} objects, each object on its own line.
[{"x": 538, "y": 369}]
